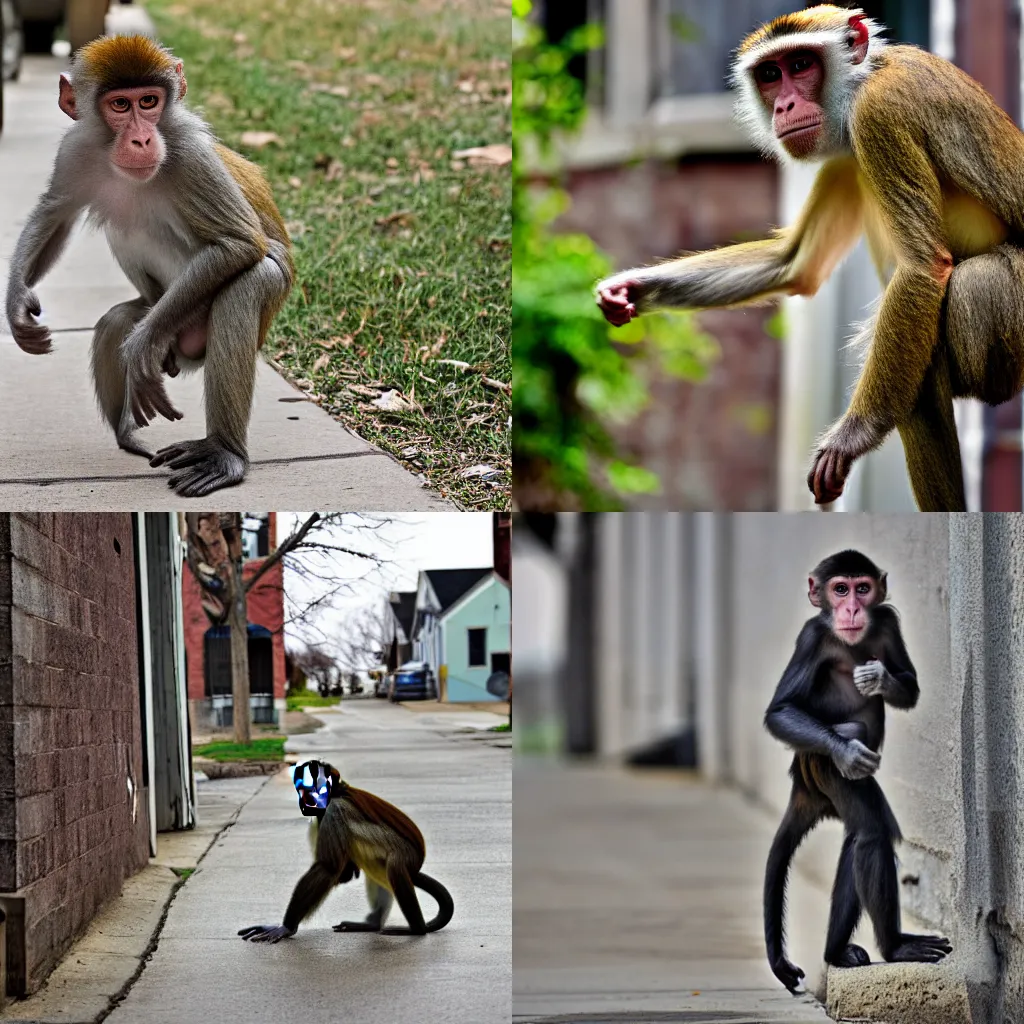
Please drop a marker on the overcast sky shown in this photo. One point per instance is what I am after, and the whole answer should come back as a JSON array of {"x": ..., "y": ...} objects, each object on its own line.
[{"x": 408, "y": 542}]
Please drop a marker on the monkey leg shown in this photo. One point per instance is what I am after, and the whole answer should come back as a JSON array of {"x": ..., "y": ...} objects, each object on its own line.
[
  {"x": 310, "y": 891},
  {"x": 931, "y": 445},
  {"x": 844, "y": 914},
  {"x": 110, "y": 375},
  {"x": 380, "y": 906},
  {"x": 984, "y": 325},
  {"x": 239, "y": 316},
  {"x": 801, "y": 816},
  {"x": 405, "y": 893},
  {"x": 871, "y": 824}
]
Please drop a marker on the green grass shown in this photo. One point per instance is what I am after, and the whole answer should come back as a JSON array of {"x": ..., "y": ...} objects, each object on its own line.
[
  {"x": 310, "y": 699},
  {"x": 269, "y": 748},
  {"x": 506, "y": 727},
  {"x": 184, "y": 873},
  {"x": 403, "y": 252}
]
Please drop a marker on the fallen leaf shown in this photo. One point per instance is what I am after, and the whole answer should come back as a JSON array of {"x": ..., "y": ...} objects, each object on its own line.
[
  {"x": 322, "y": 362},
  {"x": 391, "y": 401},
  {"x": 362, "y": 389},
  {"x": 483, "y": 471},
  {"x": 497, "y": 385},
  {"x": 496, "y": 155},
  {"x": 257, "y": 140},
  {"x": 295, "y": 182}
]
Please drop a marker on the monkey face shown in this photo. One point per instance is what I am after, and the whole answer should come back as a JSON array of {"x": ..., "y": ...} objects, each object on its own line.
[{"x": 313, "y": 783}]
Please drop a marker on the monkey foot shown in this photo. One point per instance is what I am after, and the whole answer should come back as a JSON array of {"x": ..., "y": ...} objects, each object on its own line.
[
  {"x": 852, "y": 956},
  {"x": 204, "y": 465},
  {"x": 789, "y": 974},
  {"x": 925, "y": 949},
  {"x": 357, "y": 926},
  {"x": 127, "y": 442}
]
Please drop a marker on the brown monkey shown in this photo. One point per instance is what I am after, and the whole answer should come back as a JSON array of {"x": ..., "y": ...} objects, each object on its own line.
[
  {"x": 917, "y": 156},
  {"x": 194, "y": 227},
  {"x": 355, "y": 831}
]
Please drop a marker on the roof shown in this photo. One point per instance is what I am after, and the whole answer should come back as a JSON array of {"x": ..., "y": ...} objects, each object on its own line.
[
  {"x": 403, "y": 605},
  {"x": 450, "y": 584}
]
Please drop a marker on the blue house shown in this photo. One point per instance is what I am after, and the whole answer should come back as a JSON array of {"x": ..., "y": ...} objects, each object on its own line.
[{"x": 463, "y": 630}]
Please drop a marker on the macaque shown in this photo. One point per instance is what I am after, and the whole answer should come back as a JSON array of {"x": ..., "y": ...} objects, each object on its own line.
[
  {"x": 850, "y": 661},
  {"x": 920, "y": 159},
  {"x": 354, "y": 831},
  {"x": 194, "y": 227}
]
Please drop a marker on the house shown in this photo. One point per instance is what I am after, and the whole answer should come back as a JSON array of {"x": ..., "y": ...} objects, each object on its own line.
[
  {"x": 208, "y": 645},
  {"x": 463, "y": 630},
  {"x": 400, "y": 612}
]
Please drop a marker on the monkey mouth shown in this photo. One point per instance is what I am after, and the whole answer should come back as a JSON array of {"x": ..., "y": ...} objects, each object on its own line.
[
  {"x": 799, "y": 128},
  {"x": 850, "y": 634},
  {"x": 139, "y": 173}
]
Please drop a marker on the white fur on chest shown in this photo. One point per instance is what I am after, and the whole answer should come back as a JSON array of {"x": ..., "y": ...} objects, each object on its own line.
[{"x": 143, "y": 229}]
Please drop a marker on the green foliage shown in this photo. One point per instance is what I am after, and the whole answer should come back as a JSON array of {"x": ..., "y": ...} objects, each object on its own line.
[
  {"x": 309, "y": 699},
  {"x": 572, "y": 373},
  {"x": 268, "y": 748}
]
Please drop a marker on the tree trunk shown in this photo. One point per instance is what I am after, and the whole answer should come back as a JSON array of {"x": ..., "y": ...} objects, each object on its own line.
[{"x": 238, "y": 622}]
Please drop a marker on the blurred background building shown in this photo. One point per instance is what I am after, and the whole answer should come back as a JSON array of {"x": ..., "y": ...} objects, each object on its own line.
[
  {"x": 660, "y": 167},
  {"x": 658, "y": 639}
]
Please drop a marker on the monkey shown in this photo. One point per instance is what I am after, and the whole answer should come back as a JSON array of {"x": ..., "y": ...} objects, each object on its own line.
[
  {"x": 354, "y": 831},
  {"x": 850, "y": 661},
  {"x": 920, "y": 159},
  {"x": 194, "y": 227}
]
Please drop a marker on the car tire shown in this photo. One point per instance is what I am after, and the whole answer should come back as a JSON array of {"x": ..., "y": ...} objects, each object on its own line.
[{"x": 39, "y": 36}]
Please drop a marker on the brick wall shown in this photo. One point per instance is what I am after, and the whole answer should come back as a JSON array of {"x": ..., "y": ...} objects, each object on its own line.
[
  {"x": 69, "y": 715},
  {"x": 265, "y": 608},
  {"x": 714, "y": 444}
]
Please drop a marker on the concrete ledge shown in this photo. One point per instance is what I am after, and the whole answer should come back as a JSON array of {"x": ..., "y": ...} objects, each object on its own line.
[{"x": 898, "y": 993}]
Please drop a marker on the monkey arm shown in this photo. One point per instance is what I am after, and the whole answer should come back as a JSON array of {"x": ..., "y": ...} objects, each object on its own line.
[
  {"x": 39, "y": 247},
  {"x": 795, "y": 262},
  {"x": 900, "y": 689},
  {"x": 310, "y": 891}
]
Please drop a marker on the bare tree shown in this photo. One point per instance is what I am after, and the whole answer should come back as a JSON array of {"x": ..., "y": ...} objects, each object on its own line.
[{"x": 215, "y": 558}]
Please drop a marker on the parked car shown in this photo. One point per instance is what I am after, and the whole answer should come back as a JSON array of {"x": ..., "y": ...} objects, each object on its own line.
[
  {"x": 12, "y": 40},
  {"x": 413, "y": 681}
]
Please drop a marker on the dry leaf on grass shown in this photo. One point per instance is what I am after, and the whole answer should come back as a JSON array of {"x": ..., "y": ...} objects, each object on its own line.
[
  {"x": 257, "y": 140},
  {"x": 392, "y": 401},
  {"x": 322, "y": 362},
  {"x": 483, "y": 471},
  {"x": 496, "y": 155}
]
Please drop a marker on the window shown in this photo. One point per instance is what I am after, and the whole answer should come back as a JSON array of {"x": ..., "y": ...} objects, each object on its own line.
[{"x": 477, "y": 647}]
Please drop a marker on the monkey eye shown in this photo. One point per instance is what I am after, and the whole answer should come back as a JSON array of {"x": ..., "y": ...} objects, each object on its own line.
[
  {"x": 120, "y": 104},
  {"x": 767, "y": 73},
  {"x": 863, "y": 588},
  {"x": 801, "y": 64},
  {"x": 149, "y": 102},
  {"x": 842, "y": 589}
]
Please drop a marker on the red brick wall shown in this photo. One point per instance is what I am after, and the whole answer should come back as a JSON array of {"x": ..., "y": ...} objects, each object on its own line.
[
  {"x": 69, "y": 714},
  {"x": 714, "y": 443},
  {"x": 266, "y": 608}
]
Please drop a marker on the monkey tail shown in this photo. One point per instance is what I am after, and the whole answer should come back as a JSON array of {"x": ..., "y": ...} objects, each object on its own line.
[{"x": 445, "y": 903}]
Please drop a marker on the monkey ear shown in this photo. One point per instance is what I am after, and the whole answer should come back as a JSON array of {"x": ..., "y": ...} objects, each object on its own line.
[
  {"x": 858, "y": 39},
  {"x": 179, "y": 70},
  {"x": 813, "y": 593},
  {"x": 66, "y": 99},
  {"x": 883, "y": 587}
]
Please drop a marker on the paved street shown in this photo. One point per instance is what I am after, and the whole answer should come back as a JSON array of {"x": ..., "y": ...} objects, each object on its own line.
[
  {"x": 58, "y": 452},
  {"x": 456, "y": 784},
  {"x": 638, "y": 899}
]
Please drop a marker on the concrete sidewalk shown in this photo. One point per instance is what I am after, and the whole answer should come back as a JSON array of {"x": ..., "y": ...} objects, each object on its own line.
[
  {"x": 57, "y": 453},
  {"x": 638, "y": 898}
]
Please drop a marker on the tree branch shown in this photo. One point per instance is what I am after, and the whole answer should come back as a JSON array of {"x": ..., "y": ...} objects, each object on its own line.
[{"x": 287, "y": 545}]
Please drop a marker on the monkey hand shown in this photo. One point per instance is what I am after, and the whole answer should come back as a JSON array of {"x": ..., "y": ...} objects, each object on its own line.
[
  {"x": 145, "y": 388},
  {"x": 266, "y": 933},
  {"x": 871, "y": 678},
  {"x": 617, "y": 298},
  {"x": 22, "y": 309},
  {"x": 170, "y": 364},
  {"x": 849, "y": 439},
  {"x": 855, "y": 760},
  {"x": 789, "y": 974}
]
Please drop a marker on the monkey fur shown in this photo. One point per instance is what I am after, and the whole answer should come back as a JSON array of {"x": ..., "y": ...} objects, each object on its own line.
[
  {"x": 920, "y": 159},
  {"x": 194, "y": 227},
  {"x": 358, "y": 832}
]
